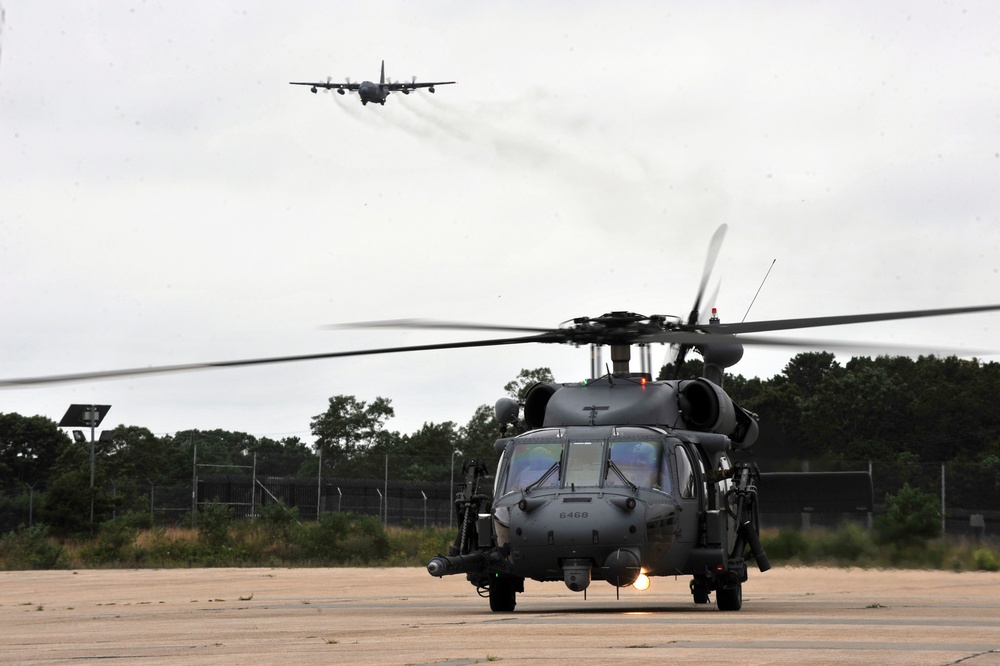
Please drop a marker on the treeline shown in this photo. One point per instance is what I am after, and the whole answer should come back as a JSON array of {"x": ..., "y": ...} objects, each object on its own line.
[{"x": 885, "y": 409}]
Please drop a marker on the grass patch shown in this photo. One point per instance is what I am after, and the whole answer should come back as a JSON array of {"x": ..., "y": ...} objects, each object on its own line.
[{"x": 346, "y": 540}]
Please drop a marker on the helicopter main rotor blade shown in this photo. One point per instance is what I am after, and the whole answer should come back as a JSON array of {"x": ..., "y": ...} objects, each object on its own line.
[
  {"x": 186, "y": 367},
  {"x": 433, "y": 324},
  {"x": 810, "y": 322},
  {"x": 696, "y": 339}
]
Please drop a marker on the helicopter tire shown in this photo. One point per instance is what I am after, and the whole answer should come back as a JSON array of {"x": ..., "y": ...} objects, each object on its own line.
[
  {"x": 503, "y": 594},
  {"x": 699, "y": 590},
  {"x": 729, "y": 598}
]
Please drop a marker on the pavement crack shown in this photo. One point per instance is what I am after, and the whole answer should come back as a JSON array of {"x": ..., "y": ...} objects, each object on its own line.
[{"x": 973, "y": 656}]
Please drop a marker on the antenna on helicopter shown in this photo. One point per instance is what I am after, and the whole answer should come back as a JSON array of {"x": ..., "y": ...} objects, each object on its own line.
[{"x": 752, "y": 300}]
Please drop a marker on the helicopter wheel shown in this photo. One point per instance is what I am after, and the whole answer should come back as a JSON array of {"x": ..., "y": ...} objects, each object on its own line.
[
  {"x": 729, "y": 598},
  {"x": 699, "y": 590},
  {"x": 503, "y": 595}
]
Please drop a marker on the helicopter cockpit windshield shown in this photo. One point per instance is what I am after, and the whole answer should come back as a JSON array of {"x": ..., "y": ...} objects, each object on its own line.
[
  {"x": 534, "y": 464},
  {"x": 615, "y": 462},
  {"x": 640, "y": 462}
]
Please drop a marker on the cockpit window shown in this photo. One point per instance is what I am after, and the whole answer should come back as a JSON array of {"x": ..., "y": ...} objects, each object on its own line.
[
  {"x": 584, "y": 463},
  {"x": 685, "y": 473},
  {"x": 530, "y": 461},
  {"x": 534, "y": 463},
  {"x": 642, "y": 463}
]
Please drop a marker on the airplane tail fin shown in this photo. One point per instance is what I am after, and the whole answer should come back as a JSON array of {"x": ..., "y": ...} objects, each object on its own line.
[{"x": 382, "y": 80}]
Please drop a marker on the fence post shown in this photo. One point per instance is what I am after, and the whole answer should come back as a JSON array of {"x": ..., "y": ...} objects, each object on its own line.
[
  {"x": 194, "y": 486},
  {"x": 869, "y": 521},
  {"x": 319, "y": 483},
  {"x": 944, "y": 528}
]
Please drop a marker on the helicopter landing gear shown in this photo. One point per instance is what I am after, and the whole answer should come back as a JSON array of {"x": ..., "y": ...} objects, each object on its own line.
[
  {"x": 503, "y": 594},
  {"x": 699, "y": 589},
  {"x": 729, "y": 598}
]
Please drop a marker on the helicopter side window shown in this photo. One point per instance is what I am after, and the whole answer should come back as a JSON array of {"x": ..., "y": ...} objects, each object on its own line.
[
  {"x": 583, "y": 464},
  {"x": 685, "y": 473},
  {"x": 641, "y": 463},
  {"x": 716, "y": 498},
  {"x": 529, "y": 462}
]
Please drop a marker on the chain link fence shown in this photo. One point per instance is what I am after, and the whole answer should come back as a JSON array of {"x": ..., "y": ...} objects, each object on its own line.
[{"x": 969, "y": 495}]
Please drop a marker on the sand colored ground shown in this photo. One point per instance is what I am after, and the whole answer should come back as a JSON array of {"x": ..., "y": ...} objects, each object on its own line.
[{"x": 404, "y": 616}]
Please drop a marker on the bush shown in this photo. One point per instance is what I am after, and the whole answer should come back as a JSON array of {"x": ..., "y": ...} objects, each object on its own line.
[
  {"x": 30, "y": 548},
  {"x": 323, "y": 540},
  {"x": 849, "y": 544},
  {"x": 985, "y": 560},
  {"x": 282, "y": 522},
  {"x": 416, "y": 547},
  {"x": 213, "y": 525},
  {"x": 911, "y": 516},
  {"x": 789, "y": 544},
  {"x": 115, "y": 541},
  {"x": 346, "y": 539}
]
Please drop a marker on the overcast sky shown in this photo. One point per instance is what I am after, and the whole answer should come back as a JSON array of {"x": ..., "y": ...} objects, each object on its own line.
[{"x": 167, "y": 197}]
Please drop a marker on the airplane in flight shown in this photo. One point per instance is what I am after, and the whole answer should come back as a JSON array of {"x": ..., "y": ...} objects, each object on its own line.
[{"x": 370, "y": 91}]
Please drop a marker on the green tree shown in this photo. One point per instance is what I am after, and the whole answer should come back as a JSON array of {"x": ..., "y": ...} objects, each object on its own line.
[
  {"x": 425, "y": 455},
  {"x": 285, "y": 457},
  {"x": 859, "y": 403},
  {"x": 691, "y": 368},
  {"x": 807, "y": 371},
  {"x": 67, "y": 503},
  {"x": 518, "y": 387},
  {"x": 476, "y": 438},
  {"x": 348, "y": 427},
  {"x": 29, "y": 449}
]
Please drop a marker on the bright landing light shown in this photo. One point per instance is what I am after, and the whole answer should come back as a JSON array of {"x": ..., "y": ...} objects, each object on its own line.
[{"x": 641, "y": 583}]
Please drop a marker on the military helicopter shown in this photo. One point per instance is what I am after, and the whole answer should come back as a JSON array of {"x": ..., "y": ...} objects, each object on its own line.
[{"x": 617, "y": 478}]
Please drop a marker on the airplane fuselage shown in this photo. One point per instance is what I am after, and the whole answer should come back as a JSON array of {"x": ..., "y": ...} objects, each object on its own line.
[{"x": 369, "y": 91}]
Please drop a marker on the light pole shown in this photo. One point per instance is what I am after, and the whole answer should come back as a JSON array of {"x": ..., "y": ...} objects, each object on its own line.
[{"x": 89, "y": 416}]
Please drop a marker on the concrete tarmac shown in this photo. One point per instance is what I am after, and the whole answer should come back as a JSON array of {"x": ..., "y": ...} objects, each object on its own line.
[{"x": 404, "y": 616}]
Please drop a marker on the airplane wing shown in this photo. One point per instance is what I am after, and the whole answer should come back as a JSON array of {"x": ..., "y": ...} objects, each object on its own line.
[
  {"x": 329, "y": 85},
  {"x": 413, "y": 85}
]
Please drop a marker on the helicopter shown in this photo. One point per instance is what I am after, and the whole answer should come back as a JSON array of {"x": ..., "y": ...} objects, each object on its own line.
[{"x": 618, "y": 478}]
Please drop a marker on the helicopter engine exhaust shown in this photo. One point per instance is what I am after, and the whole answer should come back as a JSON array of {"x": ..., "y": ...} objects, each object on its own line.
[{"x": 706, "y": 407}]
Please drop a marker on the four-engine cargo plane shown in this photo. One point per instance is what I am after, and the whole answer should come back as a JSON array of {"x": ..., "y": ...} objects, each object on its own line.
[{"x": 370, "y": 91}]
